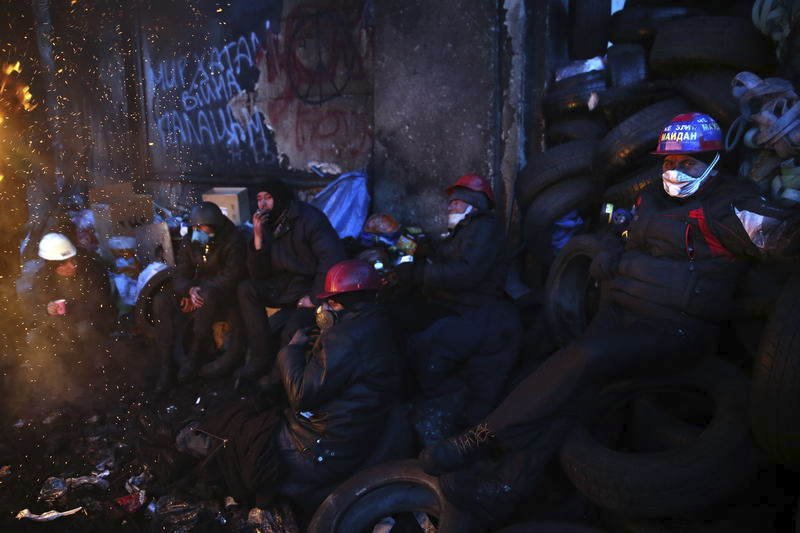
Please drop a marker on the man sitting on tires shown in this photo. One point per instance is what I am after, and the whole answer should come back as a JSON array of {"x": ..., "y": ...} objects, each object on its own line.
[
  {"x": 462, "y": 359},
  {"x": 341, "y": 385},
  {"x": 209, "y": 266},
  {"x": 293, "y": 246},
  {"x": 667, "y": 288}
]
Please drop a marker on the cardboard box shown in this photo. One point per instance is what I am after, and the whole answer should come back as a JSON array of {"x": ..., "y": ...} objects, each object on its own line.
[{"x": 232, "y": 201}]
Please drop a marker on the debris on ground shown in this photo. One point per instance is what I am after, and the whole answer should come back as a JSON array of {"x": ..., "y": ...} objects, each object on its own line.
[{"x": 48, "y": 516}]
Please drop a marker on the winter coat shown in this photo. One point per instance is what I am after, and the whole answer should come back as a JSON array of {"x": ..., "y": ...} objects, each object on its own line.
[
  {"x": 468, "y": 268},
  {"x": 684, "y": 257},
  {"x": 219, "y": 266},
  {"x": 296, "y": 255},
  {"x": 88, "y": 293},
  {"x": 339, "y": 396}
]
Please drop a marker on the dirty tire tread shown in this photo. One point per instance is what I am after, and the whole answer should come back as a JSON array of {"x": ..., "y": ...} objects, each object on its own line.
[
  {"x": 678, "y": 481},
  {"x": 624, "y": 193},
  {"x": 775, "y": 404},
  {"x": 639, "y": 24},
  {"x": 380, "y": 481},
  {"x": 635, "y": 136},
  {"x": 710, "y": 92},
  {"x": 575, "y": 129},
  {"x": 143, "y": 307},
  {"x": 554, "y": 202},
  {"x": 590, "y": 27},
  {"x": 626, "y": 64},
  {"x": 710, "y": 42},
  {"x": 549, "y": 167},
  {"x": 572, "y": 94},
  {"x": 564, "y": 307}
]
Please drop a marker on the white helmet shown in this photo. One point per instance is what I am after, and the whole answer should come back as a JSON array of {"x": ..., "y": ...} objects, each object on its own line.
[{"x": 56, "y": 247}]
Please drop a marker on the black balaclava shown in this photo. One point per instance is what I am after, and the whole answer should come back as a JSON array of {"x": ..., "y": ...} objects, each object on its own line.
[{"x": 282, "y": 196}]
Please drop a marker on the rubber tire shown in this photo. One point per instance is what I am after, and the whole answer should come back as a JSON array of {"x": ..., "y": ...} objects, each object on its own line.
[
  {"x": 549, "y": 167},
  {"x": 572, "y": 94},
  {"x": 579, "y": 128},
  {"x": 639, "y": 24},
  {"x": 626, "y": 64},
  {"x": 142, "y": 310},
  {"x": 710, "y": 42},
  {"x": 635, "y": 136},
  {"x": 383, "y": 490},
  {"x": 548, "y": 527},
  {"x": 775, "y": 403},
  {"x": 677, "y": 481},
  {"x": 565, "y": 288},
  {"x": 568, "y": 194},
  {"x": 624, "y": 193},
  {"x": 590, "y": 27},
  {"x": 710, "y": 92},
  {"x": 654, "y": 428}
]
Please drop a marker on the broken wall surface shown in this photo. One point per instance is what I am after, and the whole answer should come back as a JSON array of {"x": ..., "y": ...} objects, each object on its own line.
[
  {"x": 256, "y": 88},
  {"x": 436, "y": 102}
]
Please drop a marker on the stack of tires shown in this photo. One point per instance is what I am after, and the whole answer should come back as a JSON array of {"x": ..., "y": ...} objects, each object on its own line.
[
  {"x": 687, "y": 460},
  {"x": 665, "y": 58}
]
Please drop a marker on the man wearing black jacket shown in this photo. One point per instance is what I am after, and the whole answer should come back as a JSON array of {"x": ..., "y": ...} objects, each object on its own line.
[
  {"x": 293, "y": 246},
  {"x": 209, "y": 266},
  {"x": 462, "y": 360}
]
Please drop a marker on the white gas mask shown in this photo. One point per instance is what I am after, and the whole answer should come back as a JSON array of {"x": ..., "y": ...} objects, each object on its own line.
[
  {"x": 680, "y": 184},
  {"x": 454, "y": 218}
]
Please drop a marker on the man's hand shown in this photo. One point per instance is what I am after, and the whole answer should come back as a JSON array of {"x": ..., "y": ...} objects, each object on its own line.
[
  {"x": 194, "y": 296},
  {"x": 56, "y": 308},
  {"x": 300, "y": 338},
  {"x": 186, "y": 305},
  {"x": 259, "y": 221},
  {"x": 305, "y": 303}
]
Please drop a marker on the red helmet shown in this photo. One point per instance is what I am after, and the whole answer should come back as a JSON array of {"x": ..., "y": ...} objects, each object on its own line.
[
  {"x": 475, "y": 183},
  {"x": 350, "y": 275}
]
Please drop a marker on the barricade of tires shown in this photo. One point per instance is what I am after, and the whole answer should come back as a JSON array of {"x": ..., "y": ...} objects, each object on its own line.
[{"x": 688, "y": 450}]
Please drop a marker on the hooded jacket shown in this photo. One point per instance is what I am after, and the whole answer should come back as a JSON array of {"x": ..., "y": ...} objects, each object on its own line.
[
  {"x": 218, "y": 266},
  {"x": 298, "y": 249}
]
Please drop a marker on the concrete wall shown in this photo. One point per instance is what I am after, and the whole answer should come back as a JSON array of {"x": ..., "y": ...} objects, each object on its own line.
[{"x": 436, "y": 102}]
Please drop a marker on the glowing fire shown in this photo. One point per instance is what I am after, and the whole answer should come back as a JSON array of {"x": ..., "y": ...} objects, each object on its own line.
[
  {"x": 22, "y": 92},
  {"x": 8, "y": 68}
]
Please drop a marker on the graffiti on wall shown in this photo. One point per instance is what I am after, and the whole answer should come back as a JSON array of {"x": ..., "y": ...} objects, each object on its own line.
[
  {"x": 298, "y": 94},
  {"x": 191, "y": 97}
]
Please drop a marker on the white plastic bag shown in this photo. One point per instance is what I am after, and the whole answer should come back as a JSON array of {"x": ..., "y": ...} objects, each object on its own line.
[{"x": 346, "y": 203}]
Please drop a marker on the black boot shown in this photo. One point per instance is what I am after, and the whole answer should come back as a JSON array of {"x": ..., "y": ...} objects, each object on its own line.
[
  {"x": 456, "y": 451},
  {"x": 222, "y": 365}
]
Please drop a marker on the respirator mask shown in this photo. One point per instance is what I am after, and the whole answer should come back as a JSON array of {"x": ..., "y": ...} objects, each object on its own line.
[
  {"x": 326, "y": 317},
  {"x": 681, "y": 185},
  {"x": 453, "y": 219}
]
